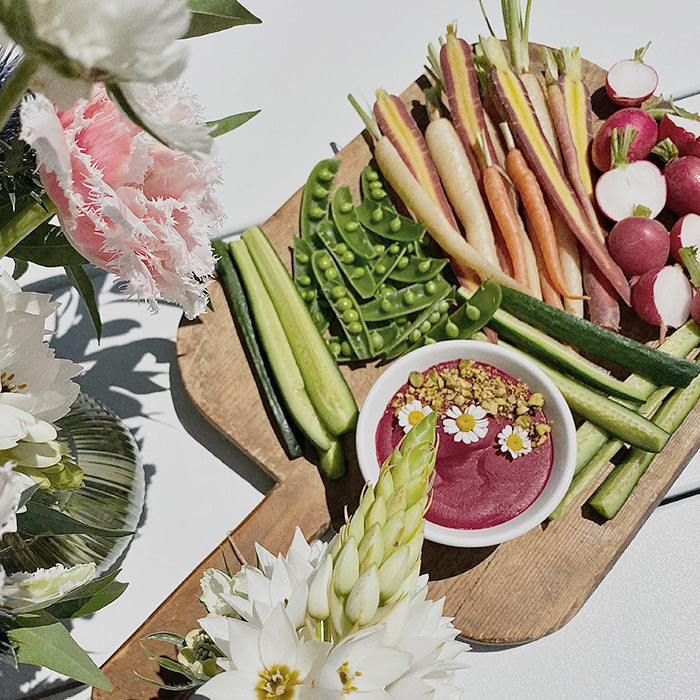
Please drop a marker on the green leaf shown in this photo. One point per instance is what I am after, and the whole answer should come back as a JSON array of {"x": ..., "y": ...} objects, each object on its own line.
[
  {"x": 20, "y": 268},
  {"x": 79, "y": 279},
  {"x": 41, "y": 520},
  {"x": 42, "y": 640},
  {"x": 48, "y": 246},
  {"x": 209, "y": 16},
  {"x": 226, "y": 124},
  {"x": 185, "y": 686},
  {"x": 170, "y": 665},
  {"x": 170, "y": 637},
  {"x": 87, "y": 606}
]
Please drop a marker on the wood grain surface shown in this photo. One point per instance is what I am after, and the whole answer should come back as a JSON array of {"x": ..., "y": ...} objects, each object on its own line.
[{"x": 512, "y": 593}]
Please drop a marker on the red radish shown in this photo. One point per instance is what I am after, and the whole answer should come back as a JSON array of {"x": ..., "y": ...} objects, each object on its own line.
[
  {"x": 646, "y": 137},
  {"x": 683, "y": 131},
  {"x": 662, "y": 297},
  {"x": 627, "y": 186},
  {"x": 682, "y": 178},
  {"x": 685, "y": 233},
  {"x": 695, "y": 308},
  {"x": 639, "y": 244},
  {"x": 631, "y": 81}
]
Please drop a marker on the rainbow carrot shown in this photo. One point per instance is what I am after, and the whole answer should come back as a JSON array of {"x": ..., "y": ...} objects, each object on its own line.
[
  {"x": 400, "y": 128},
  {"x": 513, "y": 100}
]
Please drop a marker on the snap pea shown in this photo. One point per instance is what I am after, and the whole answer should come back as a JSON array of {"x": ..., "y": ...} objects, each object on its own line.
[
  {"x": 355, "y": 268},
  {"x": 353, "y": 233},
  {"x": 342, "y": 302},
  {"x": 428, "y": 319},
  {"x": 414, "y": 268},
  {"x": 387, "y": 223},
  {"x": 406, "y": 300},
  {"x": 380, "y": 337},
  {"x": 468, "y": 318},
  {"x": 315, "y": 199},
  {"x": 374, "y": 188},
  {"x": 383, "y": 266},
  {"x": 305, "y": 282},
  {"x": 340, "y": 348}
]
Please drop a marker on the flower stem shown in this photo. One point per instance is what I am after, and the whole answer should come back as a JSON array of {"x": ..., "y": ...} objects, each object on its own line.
[
  {"x": 24, "y": 222},
  {"x": 16, "y": 86}
]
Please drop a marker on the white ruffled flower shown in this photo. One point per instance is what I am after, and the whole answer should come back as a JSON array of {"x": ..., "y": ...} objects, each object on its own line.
[
  {"x": 218, "y": 590},
  {"x": 35, "y": 386},
  {"x": 45, "y": 585},
  {"x": 267, "y": 661},
  {"x": 12, "y": 484},
  {"x": 102, "y": 40},
  {"x": 466, "y": 425}
]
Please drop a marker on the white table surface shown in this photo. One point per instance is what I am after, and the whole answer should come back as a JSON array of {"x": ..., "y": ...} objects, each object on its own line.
[{"x": 639, "y": 633}]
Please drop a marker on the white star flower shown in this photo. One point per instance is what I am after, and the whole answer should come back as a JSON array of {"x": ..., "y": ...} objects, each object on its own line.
[{"x": 466, "y": 425}]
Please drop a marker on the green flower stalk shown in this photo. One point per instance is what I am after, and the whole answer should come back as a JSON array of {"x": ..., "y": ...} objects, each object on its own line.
[{"x": 375, "y": 559}]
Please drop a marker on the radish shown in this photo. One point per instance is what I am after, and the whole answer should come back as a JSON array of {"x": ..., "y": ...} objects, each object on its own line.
[
  {"x": 647, "y": 133},
  {"x": 639, "y": 244},
  {"x": 685, "y": 233},
  {"x": 682, "y": 176},
  {"x": 662, "y": 297},
  {"x": 683, "y": 131},
  {"x": 631, "y": 81},
  {"x": 695, "y": 308},
  {"x": 626, "y": 187}
]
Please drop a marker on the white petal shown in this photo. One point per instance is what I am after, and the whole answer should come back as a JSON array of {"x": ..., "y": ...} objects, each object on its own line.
[
  {"x": 228, "y": 685},
  {"x": 278, "y": 640}
]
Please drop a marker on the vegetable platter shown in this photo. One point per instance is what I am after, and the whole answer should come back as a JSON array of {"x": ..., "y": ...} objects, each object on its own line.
[{"x": 515, "y": 592}]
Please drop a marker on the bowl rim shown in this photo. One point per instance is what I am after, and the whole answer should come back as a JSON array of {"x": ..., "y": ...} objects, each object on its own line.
[{"x": 513, "y": 363}]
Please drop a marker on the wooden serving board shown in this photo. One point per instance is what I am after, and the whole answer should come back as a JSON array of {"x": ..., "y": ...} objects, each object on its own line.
[{"x": 512, "y": 593}]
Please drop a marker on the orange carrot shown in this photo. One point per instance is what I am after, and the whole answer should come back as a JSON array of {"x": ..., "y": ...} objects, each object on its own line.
[
  {"x": 538, "y": 215},
  {"x": 549, "y": 293},
  {"x": 496, "y": 192}
]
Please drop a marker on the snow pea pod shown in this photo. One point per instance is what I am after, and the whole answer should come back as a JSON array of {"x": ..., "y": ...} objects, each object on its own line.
[
  {"x": 307, "y": 286},
  {"x": 355, "y": 268},
  {"x": 374, "y": 188},
  {"x": 342, "y": 302},
  {"x": 316, "y": 197},
  {"x": 468, "y": 318},
  {"x": 387, "y": 223},
  {"x": 405, "y": 300},
  {"x": 414, "y": 268},
  {"x": 353, "y": 233},
  {"x": 423, "y": 324}
]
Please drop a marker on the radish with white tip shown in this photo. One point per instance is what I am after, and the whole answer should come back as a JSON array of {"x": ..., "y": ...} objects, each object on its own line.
[
  {"x": 629, "y": 185},
  {"x": 631, "y": 81},
  {"x": 685, "y": 233},
  {"x": 662, "y": 297}
]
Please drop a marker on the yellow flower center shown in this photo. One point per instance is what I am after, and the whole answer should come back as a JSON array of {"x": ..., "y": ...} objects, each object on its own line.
[
  {"x": 414, "y": 417},
  {"x": 277, "y": 682},
  {"x": 465, "y": 422},
  {"x": 514, "y": 442},
  {"x": 347, "y": 676}
]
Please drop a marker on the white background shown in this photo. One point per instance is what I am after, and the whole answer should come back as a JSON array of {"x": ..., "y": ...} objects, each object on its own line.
[{"x": 638, "y": 634}]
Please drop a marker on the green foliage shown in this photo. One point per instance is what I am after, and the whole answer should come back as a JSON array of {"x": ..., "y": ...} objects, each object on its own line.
[
  {"x": 47, "y": 246},
  {"x": 42, "y": 520},
  {"x": 79, "y": 279},
  {"x": 40, "y": 639},
  {"x": 223, "y": 126},
  {"x": 209, "y": 16}
]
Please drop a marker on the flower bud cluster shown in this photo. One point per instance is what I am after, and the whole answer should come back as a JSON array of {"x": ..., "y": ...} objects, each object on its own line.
[{"x": 375, "y": 559}]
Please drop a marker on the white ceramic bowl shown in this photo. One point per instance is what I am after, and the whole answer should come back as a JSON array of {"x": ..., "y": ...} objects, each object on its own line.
[{"x": 558, "y": 415}]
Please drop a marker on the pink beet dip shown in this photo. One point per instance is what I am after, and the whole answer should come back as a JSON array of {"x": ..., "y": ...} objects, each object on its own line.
[{"x": 482, "y": 476}]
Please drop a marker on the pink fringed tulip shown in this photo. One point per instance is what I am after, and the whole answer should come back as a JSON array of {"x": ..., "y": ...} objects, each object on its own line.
[{"x": 126, "y": 202}]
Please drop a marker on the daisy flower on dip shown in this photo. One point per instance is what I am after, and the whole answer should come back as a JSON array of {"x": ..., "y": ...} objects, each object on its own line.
[
  {"x": 468, "y": 424},
  {"x": 411, "y": 413},
  {"x": 514, "y": 440}
]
